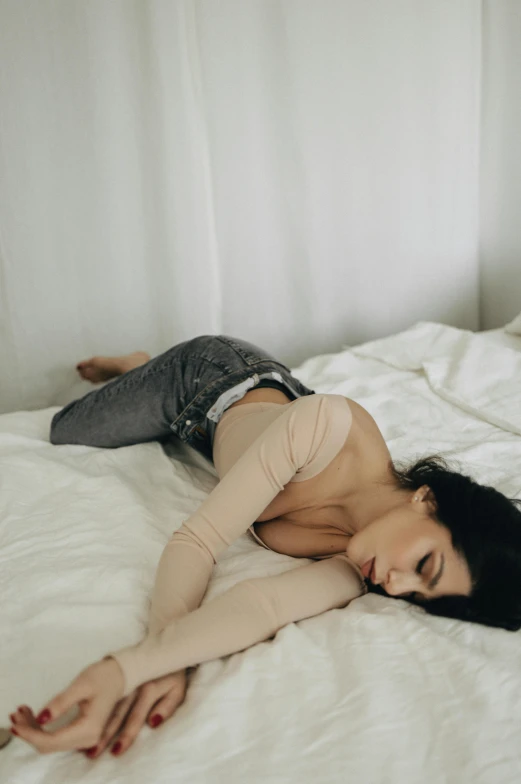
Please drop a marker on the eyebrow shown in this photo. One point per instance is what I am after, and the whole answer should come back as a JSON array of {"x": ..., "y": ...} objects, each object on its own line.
[{"x": 435, "y": 580}]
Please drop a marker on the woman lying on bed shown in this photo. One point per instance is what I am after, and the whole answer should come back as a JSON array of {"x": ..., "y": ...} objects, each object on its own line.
[{"x": 310, "y": 476}]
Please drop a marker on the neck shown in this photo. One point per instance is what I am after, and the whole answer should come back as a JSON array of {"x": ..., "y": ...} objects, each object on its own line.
[{"x": 372, "y": 501}]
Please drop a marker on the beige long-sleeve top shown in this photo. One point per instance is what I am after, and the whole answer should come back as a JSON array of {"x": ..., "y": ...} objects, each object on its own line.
[{"x": 273, "y": 445}]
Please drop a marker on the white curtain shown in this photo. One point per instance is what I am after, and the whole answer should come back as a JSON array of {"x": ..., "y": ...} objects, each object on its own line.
[
  {"x": 500, "y": 191},
  {"x": 299, "y": 173}
]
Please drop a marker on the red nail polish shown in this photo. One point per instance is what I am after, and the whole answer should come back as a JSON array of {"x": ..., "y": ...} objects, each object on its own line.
[
  {"x": 11, "y": 716},
  {"x": 156, "y": 720},
  {"x": 91, "y": 752},
  {"x": 14, "y": 731},
  {"x": 116, "y": 748},
  {"x": 44, "y": 716}
]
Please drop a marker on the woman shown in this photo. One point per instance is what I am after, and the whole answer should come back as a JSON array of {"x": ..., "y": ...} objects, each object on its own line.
[{"x": 309, "y": 475}]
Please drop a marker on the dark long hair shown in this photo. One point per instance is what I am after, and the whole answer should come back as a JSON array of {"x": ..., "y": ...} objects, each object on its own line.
[{"x": 485, "y": 527}]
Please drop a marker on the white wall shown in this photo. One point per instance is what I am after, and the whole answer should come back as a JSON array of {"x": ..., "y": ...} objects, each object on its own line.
[
  {"x": 300, "y": 173},
  {"x": 500, "y": 181}
]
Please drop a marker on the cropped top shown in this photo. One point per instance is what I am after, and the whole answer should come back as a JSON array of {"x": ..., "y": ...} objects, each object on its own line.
[
  {"x": 241, "y": 425},
  {"x": 259, "y": 448}
]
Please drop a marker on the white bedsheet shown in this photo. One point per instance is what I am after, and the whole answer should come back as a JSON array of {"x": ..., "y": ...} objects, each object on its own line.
[{"x": 376, "y": 692}]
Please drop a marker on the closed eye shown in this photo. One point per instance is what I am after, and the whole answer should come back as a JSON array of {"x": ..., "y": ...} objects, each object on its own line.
[{"x": 422, "y": 563}]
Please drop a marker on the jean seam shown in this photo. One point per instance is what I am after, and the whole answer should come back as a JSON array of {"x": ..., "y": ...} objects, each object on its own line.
[
  {"x": 130, "y": 382},
  {"x": 168, "y": 365},
  {"x": 109, "y": 393},
  {"x": 231, "y": 343}
]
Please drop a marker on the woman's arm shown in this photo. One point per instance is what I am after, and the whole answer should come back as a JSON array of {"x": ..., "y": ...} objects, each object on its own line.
[
  {"x": 310, "y": 429},
  {"x": 310, "y": 432},
  {"x": 249, "y": 612}
]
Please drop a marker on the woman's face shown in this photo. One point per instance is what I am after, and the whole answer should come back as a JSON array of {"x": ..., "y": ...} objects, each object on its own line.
[{"x": 413, "y": 553}]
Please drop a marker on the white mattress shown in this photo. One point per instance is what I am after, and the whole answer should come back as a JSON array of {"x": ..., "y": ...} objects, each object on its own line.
[{"x": 375, "y": 692}]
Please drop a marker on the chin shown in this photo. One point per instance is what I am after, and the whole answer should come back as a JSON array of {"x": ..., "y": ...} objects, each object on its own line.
[{"x": 349, "y": 550}]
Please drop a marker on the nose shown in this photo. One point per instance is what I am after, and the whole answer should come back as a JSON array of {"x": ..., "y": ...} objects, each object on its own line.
[{"x": 399, "y": 582}]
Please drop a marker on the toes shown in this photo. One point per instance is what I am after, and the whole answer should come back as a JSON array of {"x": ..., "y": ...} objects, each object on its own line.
[
  {"x": 83, "y": 369},
  {"x": 88, "y": 372}
]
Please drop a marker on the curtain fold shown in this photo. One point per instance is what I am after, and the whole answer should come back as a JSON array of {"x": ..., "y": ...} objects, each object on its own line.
[
  {"x": 303, "y": 175},
  {"x": 500, "y": 174}
]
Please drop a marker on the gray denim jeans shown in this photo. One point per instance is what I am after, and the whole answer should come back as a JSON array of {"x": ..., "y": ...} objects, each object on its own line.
[{"x": 182, "y": 393}]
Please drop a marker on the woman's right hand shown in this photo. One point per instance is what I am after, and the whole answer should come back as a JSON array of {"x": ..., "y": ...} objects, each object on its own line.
[{"x": 152, "y": 703}]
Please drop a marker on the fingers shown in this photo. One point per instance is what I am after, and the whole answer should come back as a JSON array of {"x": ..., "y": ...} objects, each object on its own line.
[
  {"x": 95, "y": 691},
  {"x": 78, "y": 690},
  {"x": 155, "y": 701},
  {"x": 29, "y": 729},
  {"x": 147, "y": 697},
  {"x": 23, "y": 715},
  {"x": 167, "y": 705},
  {"x": 82, "y": 732},
  {"x": 113, "y": 725}
]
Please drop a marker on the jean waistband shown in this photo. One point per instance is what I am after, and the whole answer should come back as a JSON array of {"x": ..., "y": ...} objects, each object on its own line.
[{"x": 237, "y": 392}]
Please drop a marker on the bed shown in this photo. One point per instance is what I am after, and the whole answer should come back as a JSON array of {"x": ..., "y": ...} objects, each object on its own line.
[{"x": 378, "y": 691}]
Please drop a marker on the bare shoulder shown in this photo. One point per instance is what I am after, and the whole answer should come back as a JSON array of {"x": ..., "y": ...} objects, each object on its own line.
[
  {"x": 307, "y": 519},
  {"x": 365, "y": 450},
  {"x": 362, "y": 418},
  {"x": 365, "y": 441}
]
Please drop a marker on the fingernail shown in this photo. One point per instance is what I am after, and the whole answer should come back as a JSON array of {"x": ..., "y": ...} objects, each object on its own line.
[
  {"x": 44, "y": 716},
  {"x": 91, "y": 752},
  {"x": 14, "y": 731},
  {"x": 11, "y": 716},
  {"x": 156, "y": 720},
  {"x": 116, "y": 748}
]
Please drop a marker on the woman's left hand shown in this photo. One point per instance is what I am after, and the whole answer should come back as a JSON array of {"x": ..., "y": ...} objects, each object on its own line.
[{"x": 96, "y": 690}]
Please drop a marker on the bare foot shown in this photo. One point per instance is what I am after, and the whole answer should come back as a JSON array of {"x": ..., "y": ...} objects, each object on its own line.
[{"x": 97, "y": 369}]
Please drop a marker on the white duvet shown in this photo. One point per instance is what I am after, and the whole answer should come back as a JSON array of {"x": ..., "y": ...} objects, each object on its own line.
[{"x": 378, "y": 692}]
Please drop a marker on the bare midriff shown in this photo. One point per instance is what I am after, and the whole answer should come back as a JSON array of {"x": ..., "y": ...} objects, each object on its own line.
[{"x": 263, "y": 395}]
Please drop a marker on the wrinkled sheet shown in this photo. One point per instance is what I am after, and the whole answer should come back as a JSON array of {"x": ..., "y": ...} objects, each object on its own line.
[{"x": 376, "y": 692}]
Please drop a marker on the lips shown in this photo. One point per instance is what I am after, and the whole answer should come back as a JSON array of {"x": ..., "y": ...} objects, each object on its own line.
[{"x": 368, "y": 569}]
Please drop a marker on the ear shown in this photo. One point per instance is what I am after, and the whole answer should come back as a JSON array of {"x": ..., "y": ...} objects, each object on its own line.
[{"x": 429, "y": 497}]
